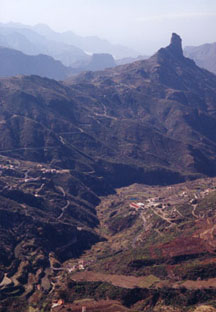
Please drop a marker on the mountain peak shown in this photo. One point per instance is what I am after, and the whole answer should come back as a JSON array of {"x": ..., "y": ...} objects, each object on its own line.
[{"x": 175, "y": 45}]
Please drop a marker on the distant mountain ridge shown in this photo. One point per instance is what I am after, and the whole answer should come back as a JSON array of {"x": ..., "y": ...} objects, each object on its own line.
[
  {"x": 66, "y": 47},
  {"x": 26, "y": 40},
  {"x": 204, "y": 55},
  {"x": 90, "y": 44},
  {"x": 13, "y": 62},
  {"x": 30, "y": 42},
  {"x": 97, "y": 61}
]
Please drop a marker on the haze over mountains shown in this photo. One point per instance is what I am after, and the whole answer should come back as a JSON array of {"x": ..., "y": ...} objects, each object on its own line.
[
  {"x": 89, "y": 44},
  {"x": 77, "y": 54},
  {"x": 66, "y": 47},
  {"x": 27, "y": 40},
  {"x": 30, "y": 42},
  {"x": 14, "y": 62},
  {"x": 65, "y": 144},
  {"x": 204, "y": 55}
]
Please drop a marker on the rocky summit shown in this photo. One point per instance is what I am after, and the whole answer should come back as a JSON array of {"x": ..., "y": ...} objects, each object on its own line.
[
  {"x": 88, "y": 182},
  {"x": 175, "y": 46}
]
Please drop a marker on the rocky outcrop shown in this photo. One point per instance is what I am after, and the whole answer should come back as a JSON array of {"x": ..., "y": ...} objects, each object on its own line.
[{"x": 175, "y": 46}]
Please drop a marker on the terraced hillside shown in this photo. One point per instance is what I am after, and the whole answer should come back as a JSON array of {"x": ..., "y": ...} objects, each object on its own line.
[
  {"x": 41, "y": 213},
  {"x": 75, "y": 154},
  {"x": 163, "y": 251}
]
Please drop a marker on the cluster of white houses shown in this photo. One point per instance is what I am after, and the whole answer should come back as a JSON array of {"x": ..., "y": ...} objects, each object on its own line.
[
  {"x": 7, "y": 166},
  {"x": 137, "y": 206},
  {"x": 150, "y": 202},
  {"x": 52, "y": 170}
]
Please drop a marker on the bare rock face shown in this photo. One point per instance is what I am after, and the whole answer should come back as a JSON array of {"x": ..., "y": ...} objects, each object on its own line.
[{"x": 176, "y": 45}]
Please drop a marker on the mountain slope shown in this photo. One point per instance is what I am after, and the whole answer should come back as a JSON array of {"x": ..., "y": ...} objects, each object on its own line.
[
  {"x": 164, "y": 106},
  {"x": 63, "y": 145},
  {"x": 160, "y": 250},
  {"x": 30, "y": 42},
  {"x": 154, "y": 117},
  {"x": 91, "y": 44},
  {"x": 204, "y": 56},
  {"x": 13, "y": 62}
]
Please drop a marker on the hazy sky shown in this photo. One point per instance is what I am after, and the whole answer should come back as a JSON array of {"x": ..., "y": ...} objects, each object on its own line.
[{"x": 143, "y": 24}]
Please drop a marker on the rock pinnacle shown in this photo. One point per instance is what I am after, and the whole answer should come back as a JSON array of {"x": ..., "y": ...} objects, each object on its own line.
[{"x": 176, "y": 45}]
